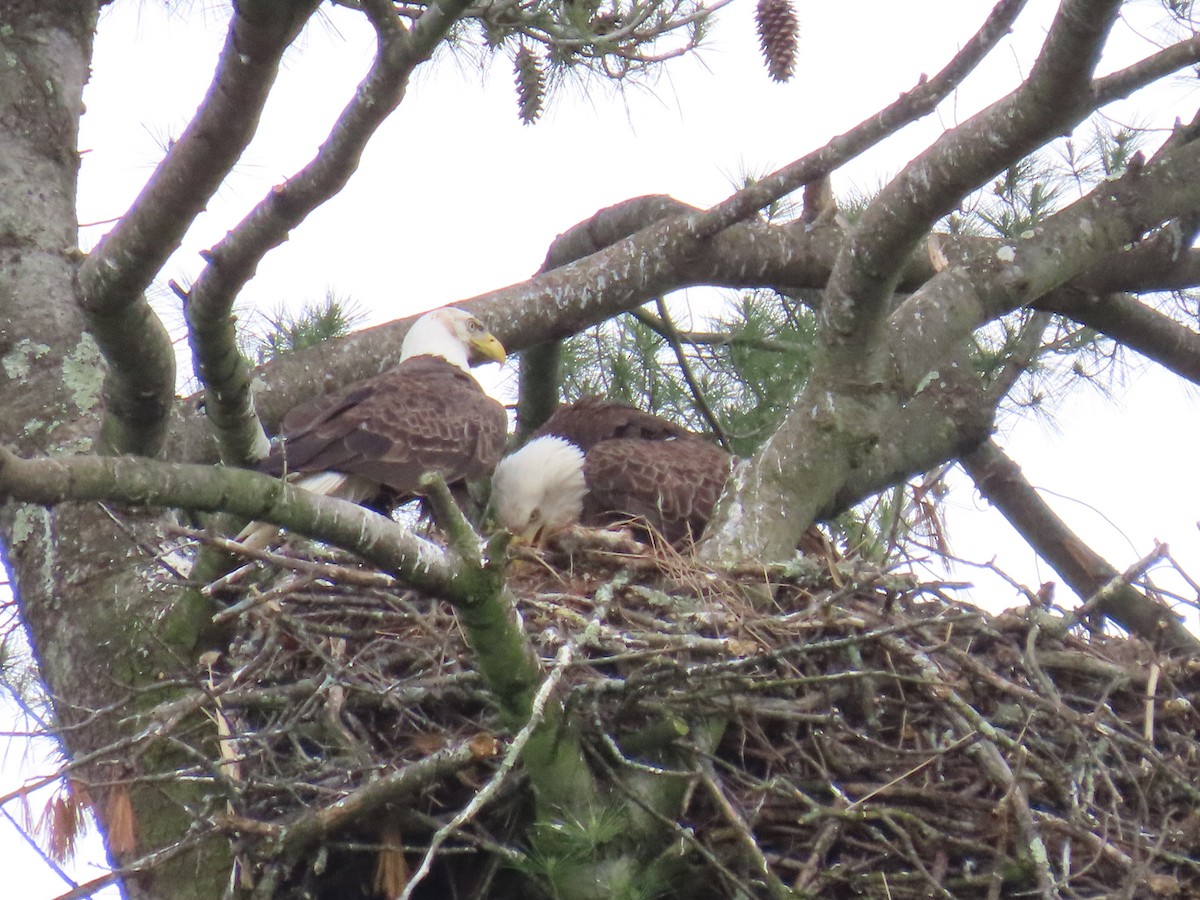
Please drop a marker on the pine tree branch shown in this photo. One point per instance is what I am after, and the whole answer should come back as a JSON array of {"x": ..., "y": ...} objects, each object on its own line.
[
  {"x": 840, "y": 416},
  {"x": 1129, "y": 322},
  {"x": 540, "y": 376},
  {"x": 671, "y": 334},
  {"x": 1020, "y": 355},
  {"x": 913, "y": 105},
  {"x": 250, "y": 495},
  {"x": 140, "y": 385},
  {"x": 1002, "y": 483},
  {"x": 1115, "y": 214},
  {"x": 232, "y": 262},
  {"x": 749, "y": 255},
  {"x": 1145, "y": 72},
  {"x": 666, "y": 245},
  {"x": 1054, "y": 97}
]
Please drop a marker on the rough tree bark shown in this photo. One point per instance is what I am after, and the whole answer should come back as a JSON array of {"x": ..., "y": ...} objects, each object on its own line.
[{"x": 86, "y": 586}]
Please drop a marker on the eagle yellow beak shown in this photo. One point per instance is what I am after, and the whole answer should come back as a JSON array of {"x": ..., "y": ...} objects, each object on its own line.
[
  {"x": 532, "y": 535},
  {"x": 486, "y": 347}
]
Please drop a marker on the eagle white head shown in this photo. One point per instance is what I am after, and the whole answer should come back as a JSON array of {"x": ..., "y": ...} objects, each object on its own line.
[
  {"x": 539, "y": 488},
  {"x": 454, "y": 335}
]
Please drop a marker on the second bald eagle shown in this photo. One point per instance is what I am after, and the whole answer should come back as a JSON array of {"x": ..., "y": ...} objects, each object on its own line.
[{"x": 600, "y": 463}]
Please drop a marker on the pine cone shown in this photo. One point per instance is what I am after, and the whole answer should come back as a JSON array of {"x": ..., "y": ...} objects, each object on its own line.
[
  {"x": 778, "y": 29},
  {"x": 531, "y": 85}
]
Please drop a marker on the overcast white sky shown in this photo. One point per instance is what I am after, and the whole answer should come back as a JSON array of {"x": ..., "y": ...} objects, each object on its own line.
[{"x": 455, "y": 197}]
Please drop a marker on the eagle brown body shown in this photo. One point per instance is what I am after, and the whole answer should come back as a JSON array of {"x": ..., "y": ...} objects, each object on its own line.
[
  {"x": 372, "y": 441},
  {"x": 637, "y": 467},
  {"x": 642, "y": 467},
  {"x": 424, "y": 415},
  {"x": 592, "y": 420}
]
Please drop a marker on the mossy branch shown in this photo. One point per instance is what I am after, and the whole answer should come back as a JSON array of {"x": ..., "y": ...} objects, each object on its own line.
[{"x": 148, "y": 483}]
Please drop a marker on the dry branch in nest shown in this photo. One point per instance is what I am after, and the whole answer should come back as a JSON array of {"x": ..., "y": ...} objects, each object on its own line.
[{"x": 876, "y": 737}]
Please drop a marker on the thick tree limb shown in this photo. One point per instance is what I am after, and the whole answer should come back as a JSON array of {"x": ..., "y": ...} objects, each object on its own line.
[
  {"x": 1145, "y": 72},
  {"x": 1151, "y": 333},
  {"x": 703, "y": 225},
  {"x": 142, "y": 482},
  {"x": 747, "y": 255},
  {"x": 927, "y": 326},
  {"x": 219, "y": 364},
  {"x": 838, "y": 421},
  {"x": 141, "y": 380},
  {"x": 1055, "y": 97},
  {"x": 474, "y": 584},
  {"x": 1001, "y": 482},
  {"x": 951, "y": 415},
  {"x": 539, "y": 365}
]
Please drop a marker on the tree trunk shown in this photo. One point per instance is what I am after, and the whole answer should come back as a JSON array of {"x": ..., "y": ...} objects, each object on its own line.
[{"x": 98, "y": 623}]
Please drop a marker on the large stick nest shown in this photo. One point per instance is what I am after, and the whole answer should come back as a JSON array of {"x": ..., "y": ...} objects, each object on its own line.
[{"x": 882, "y": 739}]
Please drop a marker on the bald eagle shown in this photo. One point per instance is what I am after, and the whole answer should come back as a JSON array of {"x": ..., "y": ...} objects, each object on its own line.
[
  {"x": 379, "y": 436},
  {"x": 599, "y": 463}
]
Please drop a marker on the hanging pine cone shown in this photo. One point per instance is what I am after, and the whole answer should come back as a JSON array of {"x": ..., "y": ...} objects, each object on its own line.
[
  {"x": 778, "y": 29},
  {"x": 531, "y": 85}
]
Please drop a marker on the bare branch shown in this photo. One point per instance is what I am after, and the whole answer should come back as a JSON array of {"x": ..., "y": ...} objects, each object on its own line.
[
  {"x": 962, "y": 298},
  {"x": 142, "y": 482},
  {"x": 918, "y": 102},
  {"x": 539, "y": 369},
  {"x": 233, "y": 261},
  {"x": 141, "y": 381},
  {"x": 1054, "y": 97},
  {"x": 1145, "y": 72},
  {"x": 666, "y": 328},
  {"x": 1123, "y": 318},
  {"x": 1000, "y": 480},
  {"x": 843, "y": 413}
]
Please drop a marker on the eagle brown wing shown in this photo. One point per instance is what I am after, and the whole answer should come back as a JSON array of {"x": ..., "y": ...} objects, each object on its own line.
[
  {"x": 591, "y": 420},
  {"x": 673, "y": 485},
  {"x": 424, "y": 415}
]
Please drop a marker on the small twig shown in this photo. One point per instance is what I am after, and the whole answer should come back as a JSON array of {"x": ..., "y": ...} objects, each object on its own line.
[
  {"x": 708, "y": 778},
  {"x": 1104, "y": 595},
  {"x": 1151, "y": 689},
  {"x": 685, "y": 366},
  {"x": 717, "y": 338},
  {"x": 333, "y": 573},
  {"x": 965, "y": 739},
  {"x": 256, "y": 599}
]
